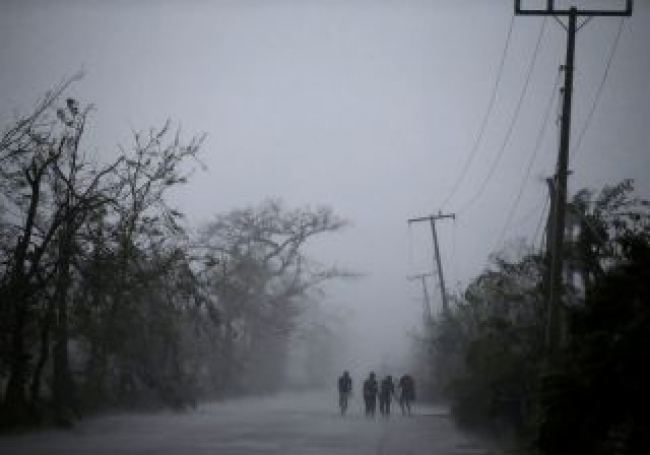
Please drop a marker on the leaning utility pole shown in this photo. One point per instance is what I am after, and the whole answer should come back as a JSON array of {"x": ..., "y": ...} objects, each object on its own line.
[
  {"x": 553, "y": 328},
  {"x": 432, "y": 219},
  {"x": 428, "y": 314}
]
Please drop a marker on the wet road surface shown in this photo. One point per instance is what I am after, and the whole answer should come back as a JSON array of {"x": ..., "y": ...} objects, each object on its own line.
[{"x": 300, "y": 424}]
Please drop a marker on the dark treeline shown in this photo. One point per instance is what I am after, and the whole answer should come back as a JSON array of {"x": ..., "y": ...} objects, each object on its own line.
[
  {"x": 489, "y": 354},
  {"x": 107, "y": 300}
]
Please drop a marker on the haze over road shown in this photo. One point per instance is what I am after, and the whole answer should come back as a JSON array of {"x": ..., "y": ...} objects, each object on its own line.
[{"x": 300, "y": 424}]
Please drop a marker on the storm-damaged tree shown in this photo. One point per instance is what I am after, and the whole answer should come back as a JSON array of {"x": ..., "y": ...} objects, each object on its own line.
[
  {"x": 64, "y": 219},
  {"x": 138, "y": 250},
  {"x": 78, "y": 191},
  {"x": 603, "y": 218},
  {"x": 26, "y": 153},
  {"x": 496, "y": 331},
  {"x": 595, "y": 395},
  {"x": 48, "y": 188},
  {"x": 587, "y": 397},
  {"x": 105, "y": 300},
  {"x": 261, "y": 278}
]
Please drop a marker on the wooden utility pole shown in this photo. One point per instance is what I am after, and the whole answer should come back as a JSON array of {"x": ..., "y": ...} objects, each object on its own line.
[
  {"x": 428, "y": 313},
  {"x": 553, "y": 327},
  {"x": 549, "y": 239},
  {"x": 432, "y": 219}
]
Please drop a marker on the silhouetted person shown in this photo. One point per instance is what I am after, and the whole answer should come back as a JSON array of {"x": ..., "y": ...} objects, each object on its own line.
[
  {"x": 407, "y": 393},
  {"x": 345, "y": 389},
  {"x": 370, "y": 390},
  {"x": 386, "y": 393}
]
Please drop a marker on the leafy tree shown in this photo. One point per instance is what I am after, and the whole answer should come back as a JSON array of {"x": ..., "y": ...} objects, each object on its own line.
[
  {"x": 598, "y": 399},
  {"x": 590, "y": 397},
  {"x": 501, "y": 342},
  {"x": 603, "y": 220}
]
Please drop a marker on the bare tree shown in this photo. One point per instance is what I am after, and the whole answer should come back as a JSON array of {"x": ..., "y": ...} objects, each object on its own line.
[
  {"x": 261, "y": 277},
  {"x": 28, "y": 153},
  {"x": 51, "y": 197}
]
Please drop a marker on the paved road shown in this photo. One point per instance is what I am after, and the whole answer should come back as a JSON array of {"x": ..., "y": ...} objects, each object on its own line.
[{"x": 300, "y": 424}]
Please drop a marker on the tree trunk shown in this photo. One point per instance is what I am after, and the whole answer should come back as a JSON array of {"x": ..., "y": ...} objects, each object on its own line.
[
  {"x": 43, "y": 357},
  {"x": 62, "y": 383},
  {"x": 16, "y": 410}
]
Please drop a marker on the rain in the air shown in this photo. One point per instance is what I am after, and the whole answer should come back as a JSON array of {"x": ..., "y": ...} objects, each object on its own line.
[{"x": 324, "y": 227}]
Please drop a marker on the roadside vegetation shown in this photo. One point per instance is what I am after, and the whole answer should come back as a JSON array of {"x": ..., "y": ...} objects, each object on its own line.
[
  {"x": 109, "y": 300},
  {"x": 489, "y": 353}
]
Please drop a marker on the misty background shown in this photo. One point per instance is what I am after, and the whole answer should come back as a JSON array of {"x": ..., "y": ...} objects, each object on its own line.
[{"x": 370, "y": 107}]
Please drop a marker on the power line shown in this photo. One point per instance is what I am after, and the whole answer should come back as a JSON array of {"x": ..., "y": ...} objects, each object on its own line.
[
  {"x": 513, "y": 121},
  {"x": 533, "y": 156},
  {"x": 599, "y": 91},
  {"x": 530, "y": 213},
  {"x": 488, "y": 111}
]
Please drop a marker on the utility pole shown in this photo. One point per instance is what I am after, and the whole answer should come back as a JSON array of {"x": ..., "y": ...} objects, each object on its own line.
[
  {"x": 432, "y": 219},
  {"x": 549, "y": 239},
  {"x": 553, "y": 327},
  {"x": 428, "y": 314}
]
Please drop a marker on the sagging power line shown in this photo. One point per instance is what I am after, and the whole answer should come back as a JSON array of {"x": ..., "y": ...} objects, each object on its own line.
[
  {"x": 479, "y": 137},
  {"x": 533, "y": 156},
  {"x": 511, "y": 126},
  {"x": 599, "y": 91}
]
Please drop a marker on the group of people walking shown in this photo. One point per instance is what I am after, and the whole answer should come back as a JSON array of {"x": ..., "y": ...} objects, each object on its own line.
[{"x": 383, "y": 391}]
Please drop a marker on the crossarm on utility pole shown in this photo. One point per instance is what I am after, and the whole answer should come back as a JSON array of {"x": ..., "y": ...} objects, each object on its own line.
[
  {"x": 432, "y": 219},
  {"x": 550, "y": 10}
]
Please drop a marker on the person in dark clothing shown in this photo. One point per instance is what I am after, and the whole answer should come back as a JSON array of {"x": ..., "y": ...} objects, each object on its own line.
[
  {"x": 407, "y": 393},
  {"x": 345, "y": 389},
  {"x": 386, "y": 393},
  {"x": 370, "y": 394}
]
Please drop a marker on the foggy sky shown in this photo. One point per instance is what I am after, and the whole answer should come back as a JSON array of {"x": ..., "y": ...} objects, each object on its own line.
[{"x": 371, "y": 107}]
